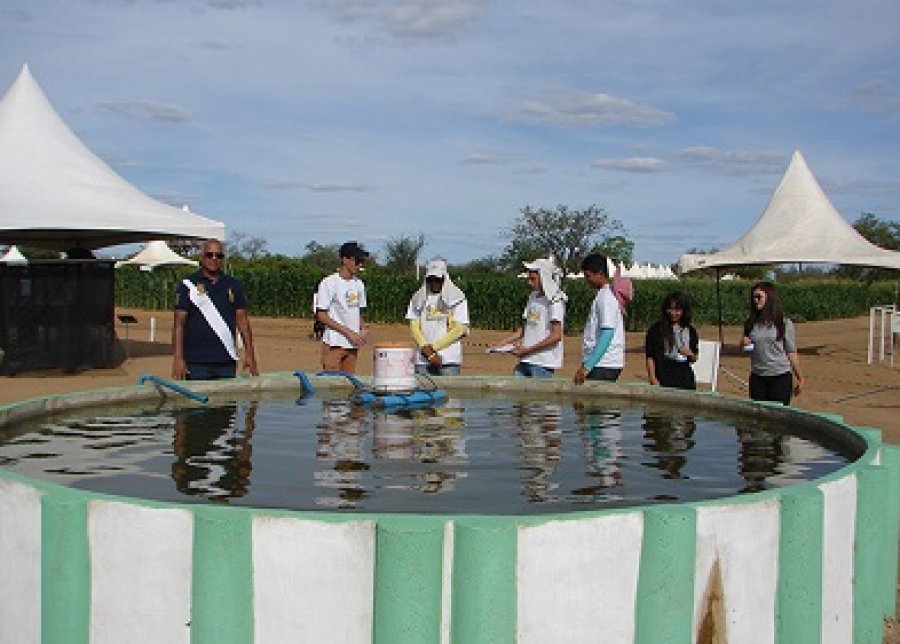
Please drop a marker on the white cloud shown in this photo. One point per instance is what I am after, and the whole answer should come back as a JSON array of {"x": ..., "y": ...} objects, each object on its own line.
[
  {"x": 318, "y": 187},
  {"x": 148, "y": 110},
  {"x": 632, "y": 164},
  {"x": 879, "y": 96},
  {"x": 488, "y": 157},
  {"x": 590, "y": 110},
  {"x": 734, "y": 162},
  {"x": 412, "y": 18}
]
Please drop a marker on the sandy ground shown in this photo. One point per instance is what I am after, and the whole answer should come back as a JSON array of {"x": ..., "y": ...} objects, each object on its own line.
[{"x": 833, "y": 359}]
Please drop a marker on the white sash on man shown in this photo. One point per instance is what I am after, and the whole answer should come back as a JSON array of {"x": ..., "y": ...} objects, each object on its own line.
[{"x": 205, "y": 305}]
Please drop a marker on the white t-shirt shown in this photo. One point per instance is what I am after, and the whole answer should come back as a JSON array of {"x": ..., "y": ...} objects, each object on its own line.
[
  {"x": 434, "y": 319},
  {"x": 343, "y": 300},
  {"x": 605, "y": 313},
  {"x": 539, "y": 314}
]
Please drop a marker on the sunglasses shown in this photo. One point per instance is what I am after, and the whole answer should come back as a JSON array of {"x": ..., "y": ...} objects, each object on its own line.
[
  {"x": 214, "y": 255},
  {"x": 759, "y": 296}
]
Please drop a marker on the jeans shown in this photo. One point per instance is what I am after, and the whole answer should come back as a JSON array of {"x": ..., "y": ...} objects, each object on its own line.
[
  {"x": 211, "y": 370},
  {"x": 528, "y": 370}
]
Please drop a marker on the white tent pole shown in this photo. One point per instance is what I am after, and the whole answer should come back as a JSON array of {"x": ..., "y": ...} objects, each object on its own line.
[{"x": 719, "y": 305}]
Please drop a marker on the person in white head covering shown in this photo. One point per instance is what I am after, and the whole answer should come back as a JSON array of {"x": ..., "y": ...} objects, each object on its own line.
[
  {"x": 438, "y": 315},
  {"x": 539, "y": 343}
]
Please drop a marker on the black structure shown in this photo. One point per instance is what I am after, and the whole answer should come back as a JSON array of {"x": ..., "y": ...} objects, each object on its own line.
[{"x": 57, "y": 314}]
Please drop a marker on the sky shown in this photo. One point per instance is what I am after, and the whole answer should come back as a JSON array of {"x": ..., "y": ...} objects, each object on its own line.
[{"x": 372, "y": 120}]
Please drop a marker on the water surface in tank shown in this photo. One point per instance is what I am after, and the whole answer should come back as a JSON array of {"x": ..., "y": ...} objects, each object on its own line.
[{"x": 475, "y": 454}]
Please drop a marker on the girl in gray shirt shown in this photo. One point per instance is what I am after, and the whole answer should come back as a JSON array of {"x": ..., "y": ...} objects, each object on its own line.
[{"x": 770, "y": 340}]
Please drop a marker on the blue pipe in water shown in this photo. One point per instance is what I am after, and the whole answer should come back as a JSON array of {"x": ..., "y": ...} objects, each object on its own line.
[
  {"x": 308, "y": 389},
  {"x": 162, "y": 382},
  {"x": 356, "y": 382}
]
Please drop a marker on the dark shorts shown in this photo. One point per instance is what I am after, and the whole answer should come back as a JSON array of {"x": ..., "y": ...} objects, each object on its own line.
[
  {"x": 211, "y": 370},
  {"x": 772, "y": 388},
  {"x": 604, "y": 373}
]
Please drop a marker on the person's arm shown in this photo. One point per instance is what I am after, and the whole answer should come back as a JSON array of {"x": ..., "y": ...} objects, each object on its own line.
[
  {"x": 425, "y": 348},
  {"x": 455, "y": 331},
  {"x": 179, "y": 367},
  {"x": 356, "y": 339},
  {"x": 789, "y": 341},
  {"x": 242, "y": 320},
  {"x": 604, "y": 339},
  {"x": 552, "y": 339},
  {"x": 510, "y": 339},
  {"x": 690, "y": 351},
  {"x": 415, "y": 330},
  {"x": 794, "y": 359},
  {"x": 651, "y": 371},
  {"x": 649, "y": 350}
]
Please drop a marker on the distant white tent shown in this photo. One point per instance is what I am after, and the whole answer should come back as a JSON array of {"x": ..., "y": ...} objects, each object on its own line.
[
  {"x": 800, "y": 224},
  {"x": 55, "y": 193},
  {"x": 155, "y": 254},
  {"x": 13, "y": 256}
]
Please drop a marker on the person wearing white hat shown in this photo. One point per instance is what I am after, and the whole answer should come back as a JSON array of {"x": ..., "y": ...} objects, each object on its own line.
[
  {"x": 539, "y": 343},
  {"x": 438, "y": 315}
]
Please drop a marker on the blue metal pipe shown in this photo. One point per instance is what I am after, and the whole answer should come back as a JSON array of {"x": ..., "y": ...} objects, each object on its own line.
[
  {"x": 356, "y": 382},
  {"x": 308, "y": 389},
  {"x": 168, "y": 384}
]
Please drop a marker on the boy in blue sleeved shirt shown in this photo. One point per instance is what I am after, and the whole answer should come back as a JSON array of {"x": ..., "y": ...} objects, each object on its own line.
[{"x": 603, "y": 346}]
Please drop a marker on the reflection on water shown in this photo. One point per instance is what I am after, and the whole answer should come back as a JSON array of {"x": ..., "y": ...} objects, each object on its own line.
[
  {"x": 669, "y": 438},
  {"x": 213, "y": 450},
  {"x": 479, "y": 455}
]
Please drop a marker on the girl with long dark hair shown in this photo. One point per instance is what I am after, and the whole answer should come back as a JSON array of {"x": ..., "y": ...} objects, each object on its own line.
[
  {"x": 770, "y": 340},
  {"x": 671, "y": 344}
]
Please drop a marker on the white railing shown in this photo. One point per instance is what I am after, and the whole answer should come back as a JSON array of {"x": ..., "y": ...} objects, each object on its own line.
[{"x": 889, "y": 326}]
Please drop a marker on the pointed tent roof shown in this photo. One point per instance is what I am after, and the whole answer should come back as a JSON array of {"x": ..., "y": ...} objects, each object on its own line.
[
  {"x": 13, "y": 256},
  {"x": 155, "y": 254},
  {"x": 800, "y": 224},
  {"x": 55, "y": 193}
]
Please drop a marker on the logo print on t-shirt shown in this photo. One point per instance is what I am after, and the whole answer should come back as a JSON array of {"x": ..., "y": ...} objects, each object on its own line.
[
  {"x": 532, "y": 316},
  {"x": 352, "y": 298},
  {"x": 433, "y": 312}
]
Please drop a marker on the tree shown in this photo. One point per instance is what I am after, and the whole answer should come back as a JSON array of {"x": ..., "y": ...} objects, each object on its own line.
[
  {"x": 486, "y": 264},
  {"x": 618, "y": 247},
  {"x": 881, "y": 233},
  {"x": 567, "y": 235},
  {"x": 401, "y": 254},
  {"x": 321, "y": 257},
  {"x": 242, "y": 245}
]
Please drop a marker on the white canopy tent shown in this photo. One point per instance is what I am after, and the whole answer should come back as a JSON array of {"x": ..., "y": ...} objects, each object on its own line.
[
  {"x": 800, "y": 224},
  {"x": 55, "y": 193},
  {"x": 13, "y": 256},
  {"x": 155, "y": 254}
]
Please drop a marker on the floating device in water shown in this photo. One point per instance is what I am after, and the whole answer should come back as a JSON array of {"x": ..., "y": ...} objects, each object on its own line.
[
  {"x": 417, "y": 398},
  {"x": 365, "y": 395}
]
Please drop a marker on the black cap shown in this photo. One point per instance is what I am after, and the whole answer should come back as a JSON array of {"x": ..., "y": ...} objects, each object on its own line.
[{"x": 354, "y": 250}]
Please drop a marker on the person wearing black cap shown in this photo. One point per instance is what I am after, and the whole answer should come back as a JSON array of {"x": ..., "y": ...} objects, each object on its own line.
[{"x": 340, "y": 299}]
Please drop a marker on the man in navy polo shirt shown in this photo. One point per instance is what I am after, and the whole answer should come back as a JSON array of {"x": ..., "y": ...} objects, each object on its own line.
[{"x": 208, "y": 306}]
